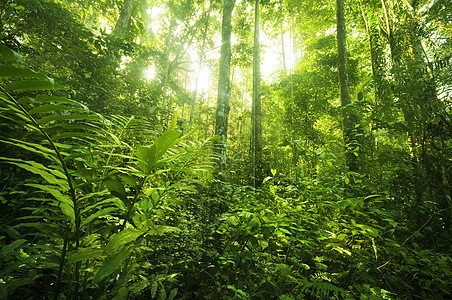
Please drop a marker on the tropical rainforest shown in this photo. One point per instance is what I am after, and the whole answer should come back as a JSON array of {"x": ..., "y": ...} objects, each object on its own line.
[{"x": 225, "y": 149}]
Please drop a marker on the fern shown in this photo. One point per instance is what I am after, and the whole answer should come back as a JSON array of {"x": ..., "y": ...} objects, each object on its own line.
[
  {"x": 60, "y": 124},
  {"x": 323, "y": 290},
  {"x": 95, "y": 186}
]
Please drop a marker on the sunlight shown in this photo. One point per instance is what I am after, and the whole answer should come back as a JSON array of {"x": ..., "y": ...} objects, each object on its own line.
[
  {"x": 149, "y": 73},
  {"x": 124, "y": 60},
  {"x": 271, "y": 56},
  {"x": 104, "y": 25},
  {"x": 154, "y": 14},
  {"x": 204, "y": 79}
]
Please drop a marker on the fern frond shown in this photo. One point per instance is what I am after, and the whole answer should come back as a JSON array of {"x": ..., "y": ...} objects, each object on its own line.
[{"x": 323, "y": 290}]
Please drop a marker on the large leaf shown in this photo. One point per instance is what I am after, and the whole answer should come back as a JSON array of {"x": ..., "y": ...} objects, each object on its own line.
[
  {"x": 7, "y": 250},
  {"x": 149, "y": 157},
  {"x": 54, "y": 192},
  {"x": 146, "y": 157},
  {"x": 56, "y": 99},
  {"x": 116, "y": 188},
  {"x": 85, "y": 254},
  {"x": 32, "y": 147},
  {"x": 7, "y": 54},
  {"x": 126, "y": 236},
  {"x": 102, "y": 212},
  {"x": 8, "y": 71},
  {"x": 32, "y": 85},
  {"x": 65, "y": 203},
  {"x": 111, "y": 263},
  {"x": 87, "y": 117},
  {"x": 48, "y": 108},
  {"x": 38, "y": 169}
]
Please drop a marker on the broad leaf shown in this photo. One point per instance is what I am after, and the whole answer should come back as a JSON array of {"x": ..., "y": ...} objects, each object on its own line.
[
  {"x": 7, "y": 71},
  {"x": 149, "y": 157},
  {"x": 111, "y": 263},
  {"x": 116, "y": 188},
  {"x": 7, "y": 54},
  {"x": 85, "y": 254},
  {"x": 38, "y": 169},
  {"x": 6, "y": 250},
  {"x": 31, "y": 85},
  {"x": 126, "y": 236},
  {"x": 102, "y": 212}
]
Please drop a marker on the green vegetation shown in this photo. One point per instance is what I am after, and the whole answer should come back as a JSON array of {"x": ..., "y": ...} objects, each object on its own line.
[{"x": 330, "y": 176}]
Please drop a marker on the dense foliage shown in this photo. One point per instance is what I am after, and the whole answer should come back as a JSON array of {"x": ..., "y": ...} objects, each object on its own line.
[{"x": 109, "y": 180}]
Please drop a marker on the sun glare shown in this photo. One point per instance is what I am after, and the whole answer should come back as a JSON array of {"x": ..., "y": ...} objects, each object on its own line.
[
  {"x": 204, "y": 80},
  {"x": 149, "y": 73}
]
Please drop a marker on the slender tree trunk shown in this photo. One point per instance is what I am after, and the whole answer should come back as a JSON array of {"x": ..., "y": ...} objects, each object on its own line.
[
  {"x": 256, "y": 115},
  {"x": 381, "y": 87},
  {"x": 295, "y": 155},
  {"x": 163, "y": 116},
  {"x": 349, "y": 119},
  {"x": 283, "y": 50},
  {"x": 224, "y": 85},
  {"x": 124, "y": 19}
]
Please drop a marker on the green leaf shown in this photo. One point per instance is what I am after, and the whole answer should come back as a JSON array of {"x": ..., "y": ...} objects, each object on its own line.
[
  {"x": 129, "y": 180},
  {"x": 6, "y": 250},
  {"x": 102, "y": 212},
  {"x": 149, "y": 157},
  {"x": 48, "y": 108},
  {"x": 116, "y": 188},
  {"x": 165, "y": 141},
  {"x": 146, "y": 158},
  {"x": 172, "y": 294},
  {"x": 173, "y": 121},
  {"x": 111, "y": 263},
  {"x": 54, "y": 192},
  {"x": 32, "y": 147},
  {"x": 8, "y": 71},
  {"x": 126, "y": 236},
  {"x": 95, "y": 194},
  {"x": 154, "y": 288},
  {"x": 78, "y": 117},
  {"x": 31, "y": 85},
  {"x": 85, "y": 254},
  {"x": 160, "y": 230},
  {"x": 38, "y": 169},
  {"x": 68, "y": 210},
  {"x": 391, "y": 222},
  {"x": 139, "y": 286},
  {"x": 55, "y": 99},
  {"x": 7, "y": 54}
]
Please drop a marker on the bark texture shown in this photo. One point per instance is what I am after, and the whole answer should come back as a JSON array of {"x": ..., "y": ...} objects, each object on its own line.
[
  {"x": 349, "y": 119},
  {"x": 124, "y": 19},
  {"x": 256, "y": 114},
  {"x": 224, "y": 85}
]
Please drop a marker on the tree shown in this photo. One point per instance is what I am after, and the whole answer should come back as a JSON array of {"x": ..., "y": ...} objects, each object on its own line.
[
  {"x": 124, "y": 19},
  {"x": 256, "y": 113},
  {"x": 224, "y": 85},
  {"x": 349, "y": 119}
]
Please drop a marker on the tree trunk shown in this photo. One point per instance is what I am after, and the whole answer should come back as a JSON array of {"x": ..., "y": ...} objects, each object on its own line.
[
  {"x": 349, "y": 119},
  {"x": 224, "y": 85},
  {"x": 164, "y": 113},
  {"x": 256, "y": 115},
  {"x": 124, "y": 19},
  {"x": 283, "y": 50}
]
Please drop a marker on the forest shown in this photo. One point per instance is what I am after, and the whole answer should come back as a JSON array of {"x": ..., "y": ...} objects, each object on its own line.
[{"x": 225, "y": 149}]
